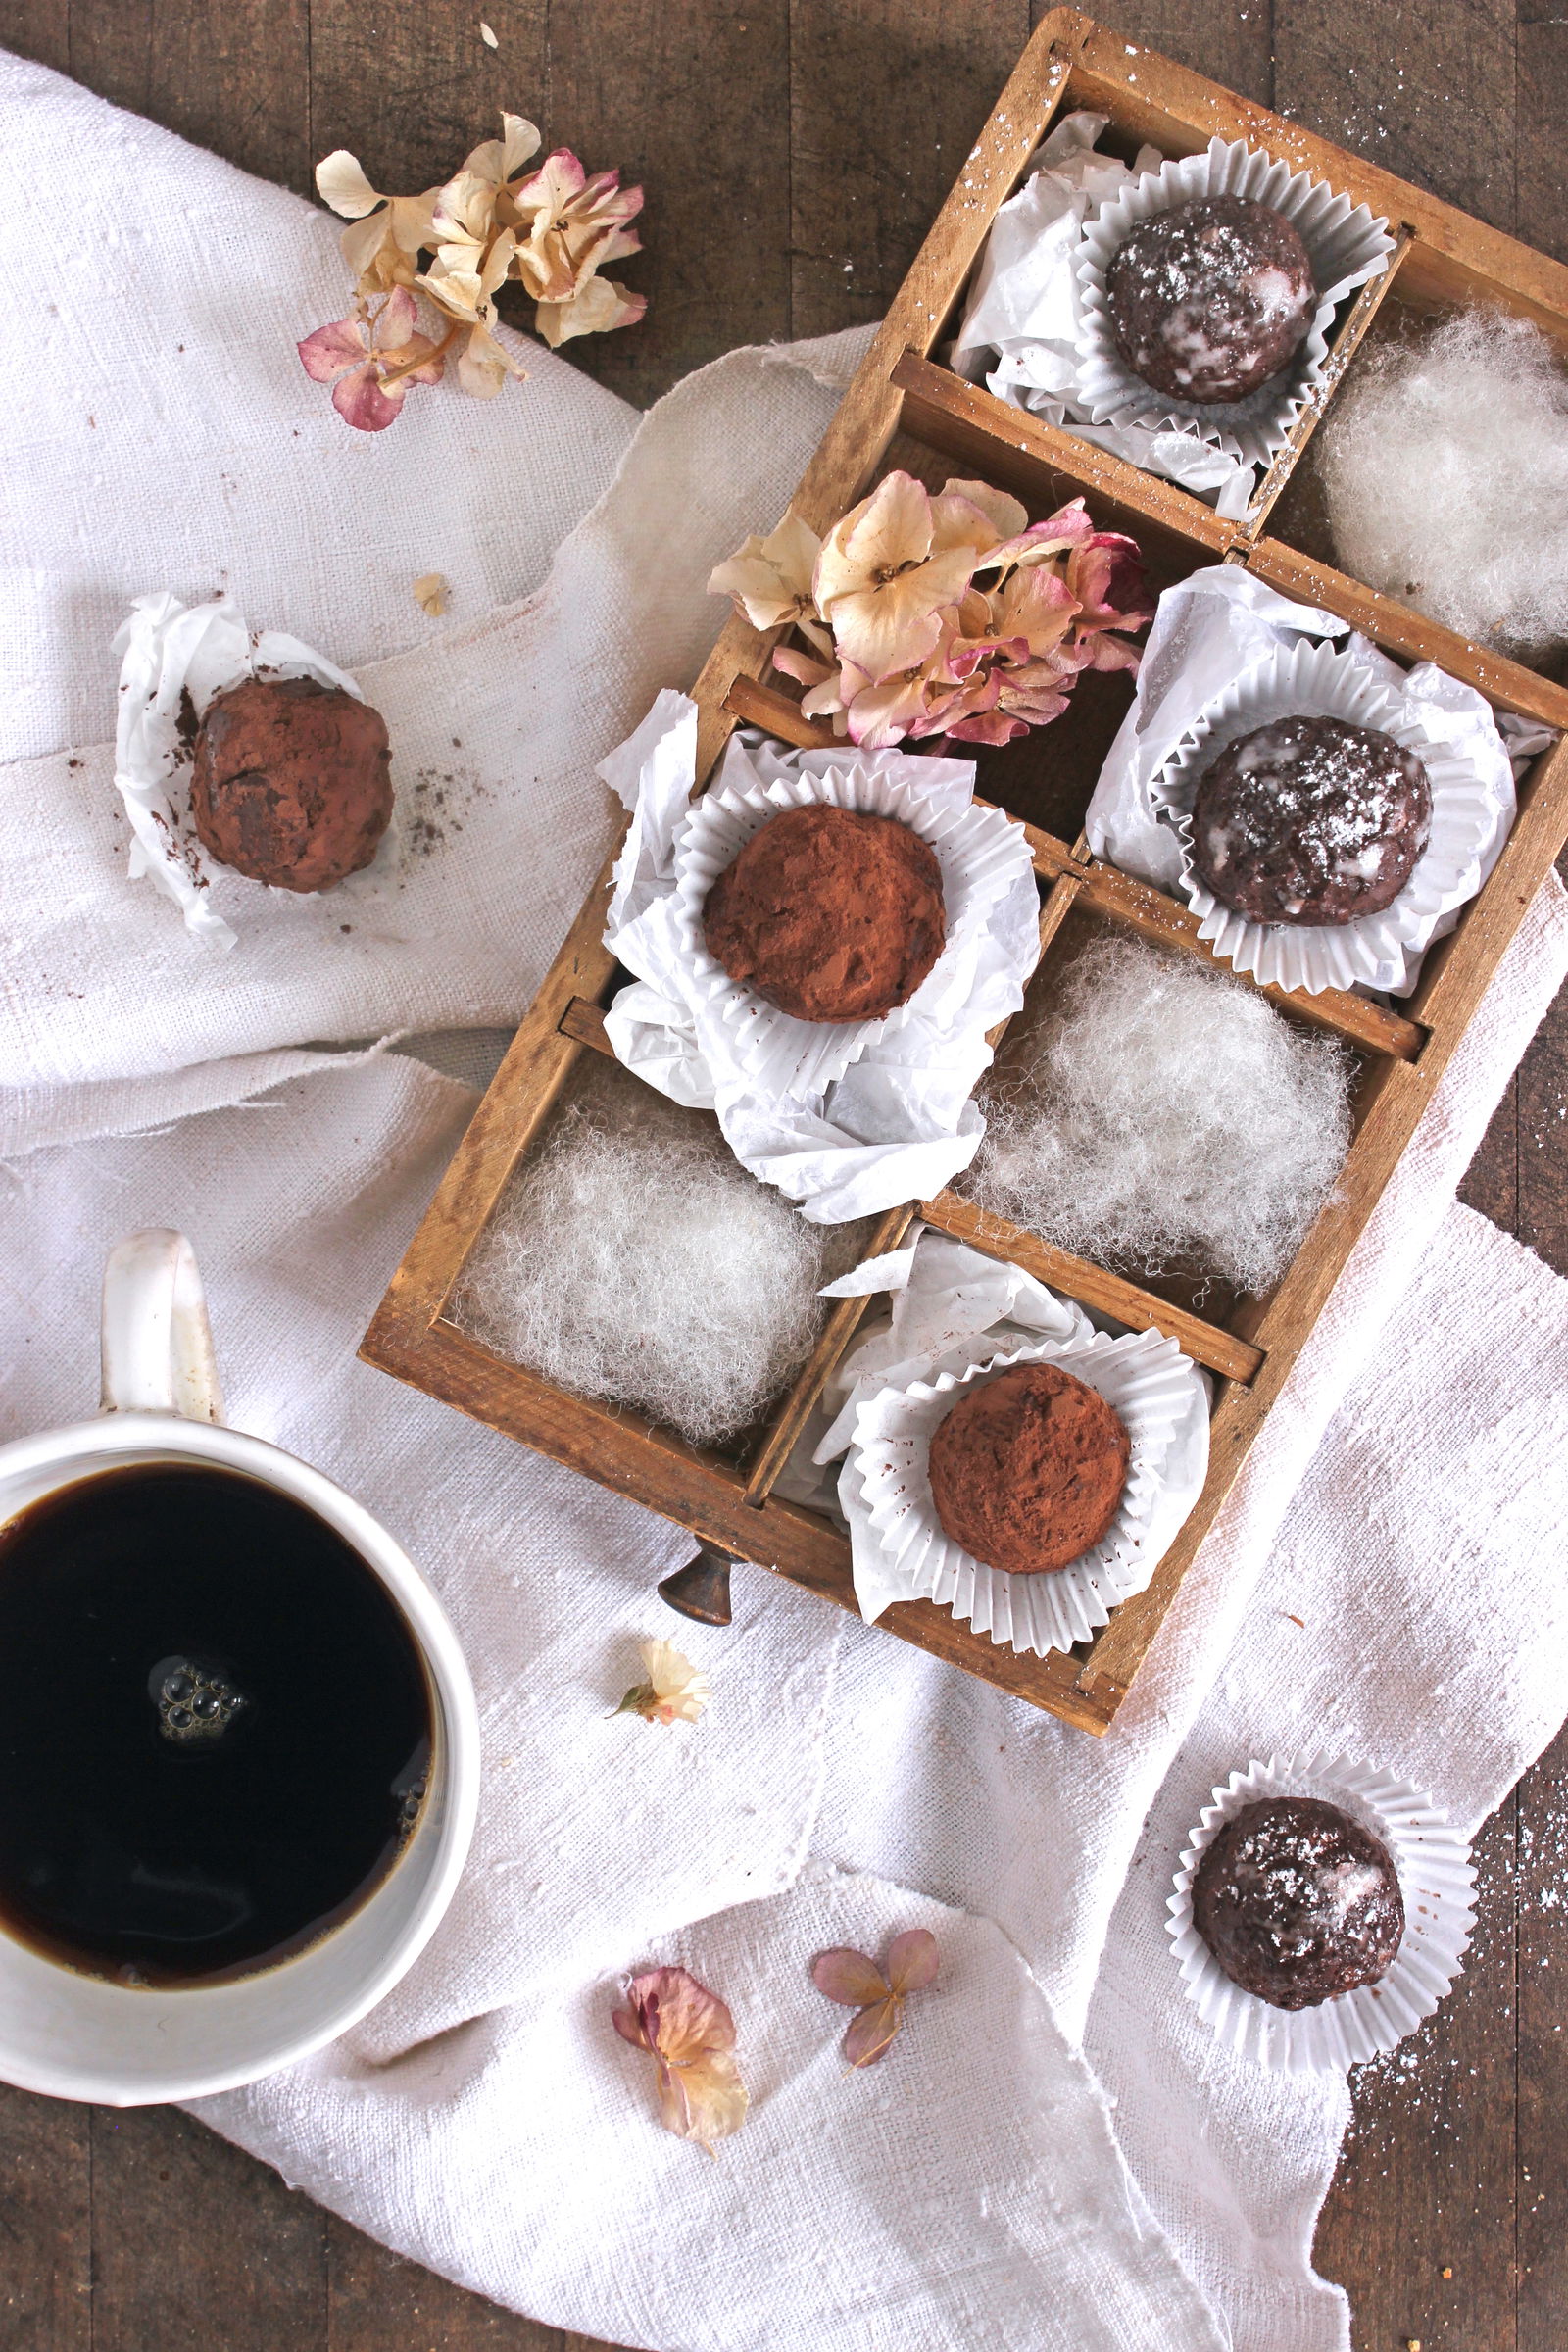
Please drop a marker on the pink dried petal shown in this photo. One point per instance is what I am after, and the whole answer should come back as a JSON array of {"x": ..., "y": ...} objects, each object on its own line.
[
  {"x": 1071, "y": 525},
  {"x": 871, "y": 2034},
  {"x": 1105, "y": 651},
  {"x": 691, "y": 2035},
  {"x": 361, "y": 399},
  {"x": 794, "y": 664},
  {"x": 849, "y": 1977},
  {"x": 995, "y": 726},
  {"x": 395, "y": 320},
  {"x": 911, "y": 1961},
  {"x": 550, "y": 189},
  {"x": 1107, "y": 578},
  {"x": 326, "y": 353}
]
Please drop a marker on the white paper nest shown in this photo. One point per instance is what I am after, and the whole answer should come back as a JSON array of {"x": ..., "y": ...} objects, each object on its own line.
[
  {"x": 1376, "y": 951},
  {"x": 1436, "y": 1881},
  {"x": 1345, "y": 242},
  {"x": 1147, "y": 1383},
  {"x": 978, "y": 849}
]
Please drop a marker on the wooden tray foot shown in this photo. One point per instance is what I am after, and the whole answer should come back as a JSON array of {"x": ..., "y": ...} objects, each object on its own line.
[{"x": 701, "y": 1589}]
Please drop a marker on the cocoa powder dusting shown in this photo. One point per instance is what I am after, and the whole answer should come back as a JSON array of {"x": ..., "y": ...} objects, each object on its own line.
[
  {"x": 829, "y": 914},
  {"x": 1027, "y": 1470}
]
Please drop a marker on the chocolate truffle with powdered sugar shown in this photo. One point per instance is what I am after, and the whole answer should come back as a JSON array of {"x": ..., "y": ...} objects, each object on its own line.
[
  {"x": 1310, "y": 821},
  {"x": 1210, "y": 299},
  {"x": 1298, "y": 1903}
]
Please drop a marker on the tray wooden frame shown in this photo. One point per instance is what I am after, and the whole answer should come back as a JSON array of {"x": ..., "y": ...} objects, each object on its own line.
[{"x": 1441, "y": 255}]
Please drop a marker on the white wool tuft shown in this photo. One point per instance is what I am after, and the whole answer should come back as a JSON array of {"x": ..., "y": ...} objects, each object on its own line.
[
  {"x": 1444, "y": 464},
  {"x": 1170, "y": 1118},
  {"x": 634, "y": 1260}
]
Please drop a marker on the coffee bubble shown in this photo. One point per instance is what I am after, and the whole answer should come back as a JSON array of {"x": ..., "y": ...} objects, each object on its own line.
[{"x": 196, "y": 1703}]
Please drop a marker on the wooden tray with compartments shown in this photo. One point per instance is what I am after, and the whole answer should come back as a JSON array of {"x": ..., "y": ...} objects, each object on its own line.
[{"x": 904, "y": 409}]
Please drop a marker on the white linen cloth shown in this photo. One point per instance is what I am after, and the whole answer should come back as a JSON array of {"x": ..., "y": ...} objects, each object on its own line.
[{"x": 974, "y": 2189}]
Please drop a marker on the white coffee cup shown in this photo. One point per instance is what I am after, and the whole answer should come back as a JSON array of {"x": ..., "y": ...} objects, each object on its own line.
[{"x": 79, "y": 2036}]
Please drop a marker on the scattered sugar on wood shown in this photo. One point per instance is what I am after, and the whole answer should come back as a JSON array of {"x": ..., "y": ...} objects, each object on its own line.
[
  {"x": 633, "y": 1259},
  {"x": 1165, "y": 1116},
  {"x": 1445, "y": 465}
]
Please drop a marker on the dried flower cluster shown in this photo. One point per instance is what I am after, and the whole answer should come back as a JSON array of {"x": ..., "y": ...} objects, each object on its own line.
[
  {"x": 952, "y": 616},
  {"x": 552, "y": 230}
]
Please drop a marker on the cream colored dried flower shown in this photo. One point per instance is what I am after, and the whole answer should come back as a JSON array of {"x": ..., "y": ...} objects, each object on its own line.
[
  {"x": 675, "y": 1691},
  {"x": 431, "y": 593},
  {"x": 770, "y": 580}
]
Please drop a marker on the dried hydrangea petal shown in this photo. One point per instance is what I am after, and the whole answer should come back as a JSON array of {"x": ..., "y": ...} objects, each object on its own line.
[
  {"x": 872, "y": 2032},
  {"x": 690, "y": 2033},
  {"x": 340, "y": 181},
  {"x": 849, "y": 1977},
  {"x": 913, "y": 1959}
]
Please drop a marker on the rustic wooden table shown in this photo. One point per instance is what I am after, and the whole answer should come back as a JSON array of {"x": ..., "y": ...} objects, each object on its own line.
[{"x": 793, "y": 152}]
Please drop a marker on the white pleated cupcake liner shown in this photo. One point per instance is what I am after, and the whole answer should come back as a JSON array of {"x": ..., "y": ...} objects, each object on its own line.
[
  {"x": 1347, "y": 244},
  {"x": 1147, "y": 1383},
  {"x": 1438, "y": 1886},
  {"x": 981, "y": 853},
  {"x": 1375, "y": 951}
]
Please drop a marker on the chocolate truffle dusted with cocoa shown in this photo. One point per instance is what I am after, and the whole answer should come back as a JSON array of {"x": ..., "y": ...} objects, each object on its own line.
[
  {"x": 1028, "y": 1469},
  {"x": 1298, "y": 1903},
  {"x": 1310, "y": 821},
  {"x": 1210, "y": 299},
  {"x": 829, "y": 914},
  {"x": 292, "y": 782}
]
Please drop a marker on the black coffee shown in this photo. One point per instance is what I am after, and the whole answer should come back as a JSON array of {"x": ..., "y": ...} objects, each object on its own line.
[{"x": 214, "y": 1726}]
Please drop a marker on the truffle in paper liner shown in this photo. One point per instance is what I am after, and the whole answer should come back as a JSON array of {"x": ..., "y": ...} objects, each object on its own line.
[
  {"x": 1347, "y": 245},
  {"x": 981, "y": 854},
  {"x": 1376, "y": 951},
  {"x": 169, "y": 650},
  {"x": 1437, "y": 1888},
  {"x": 1147, "y": 1381}
]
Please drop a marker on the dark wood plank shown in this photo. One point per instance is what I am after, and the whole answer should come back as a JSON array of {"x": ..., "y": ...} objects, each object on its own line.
[
  {"x": 231, "y": 74},
  {"x": 1543, "y": 2030},
  {"x": 196, "y": 2245},
  {"x": 1543, "y": 1141},
  {"x": 693, "y": 102},
  {"x": 410, "y": 87},
  {"x": 1491, "y": 1180},
  {"x": 36, "y": 28},
  {"x": 1426, "y": 2179},
  {"x": 887, "y": 97},
  {"x": 45, "y": 2223},
  {"x": 380, "y": 2303},
  {"x": 1542, "y": 82},
  {"x": 1231, "y": 44},
  {"x": 1424, "y": 89}
]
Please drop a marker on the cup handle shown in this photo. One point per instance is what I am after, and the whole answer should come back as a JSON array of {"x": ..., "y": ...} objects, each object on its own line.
[{"x": 157, "y": 1342}]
